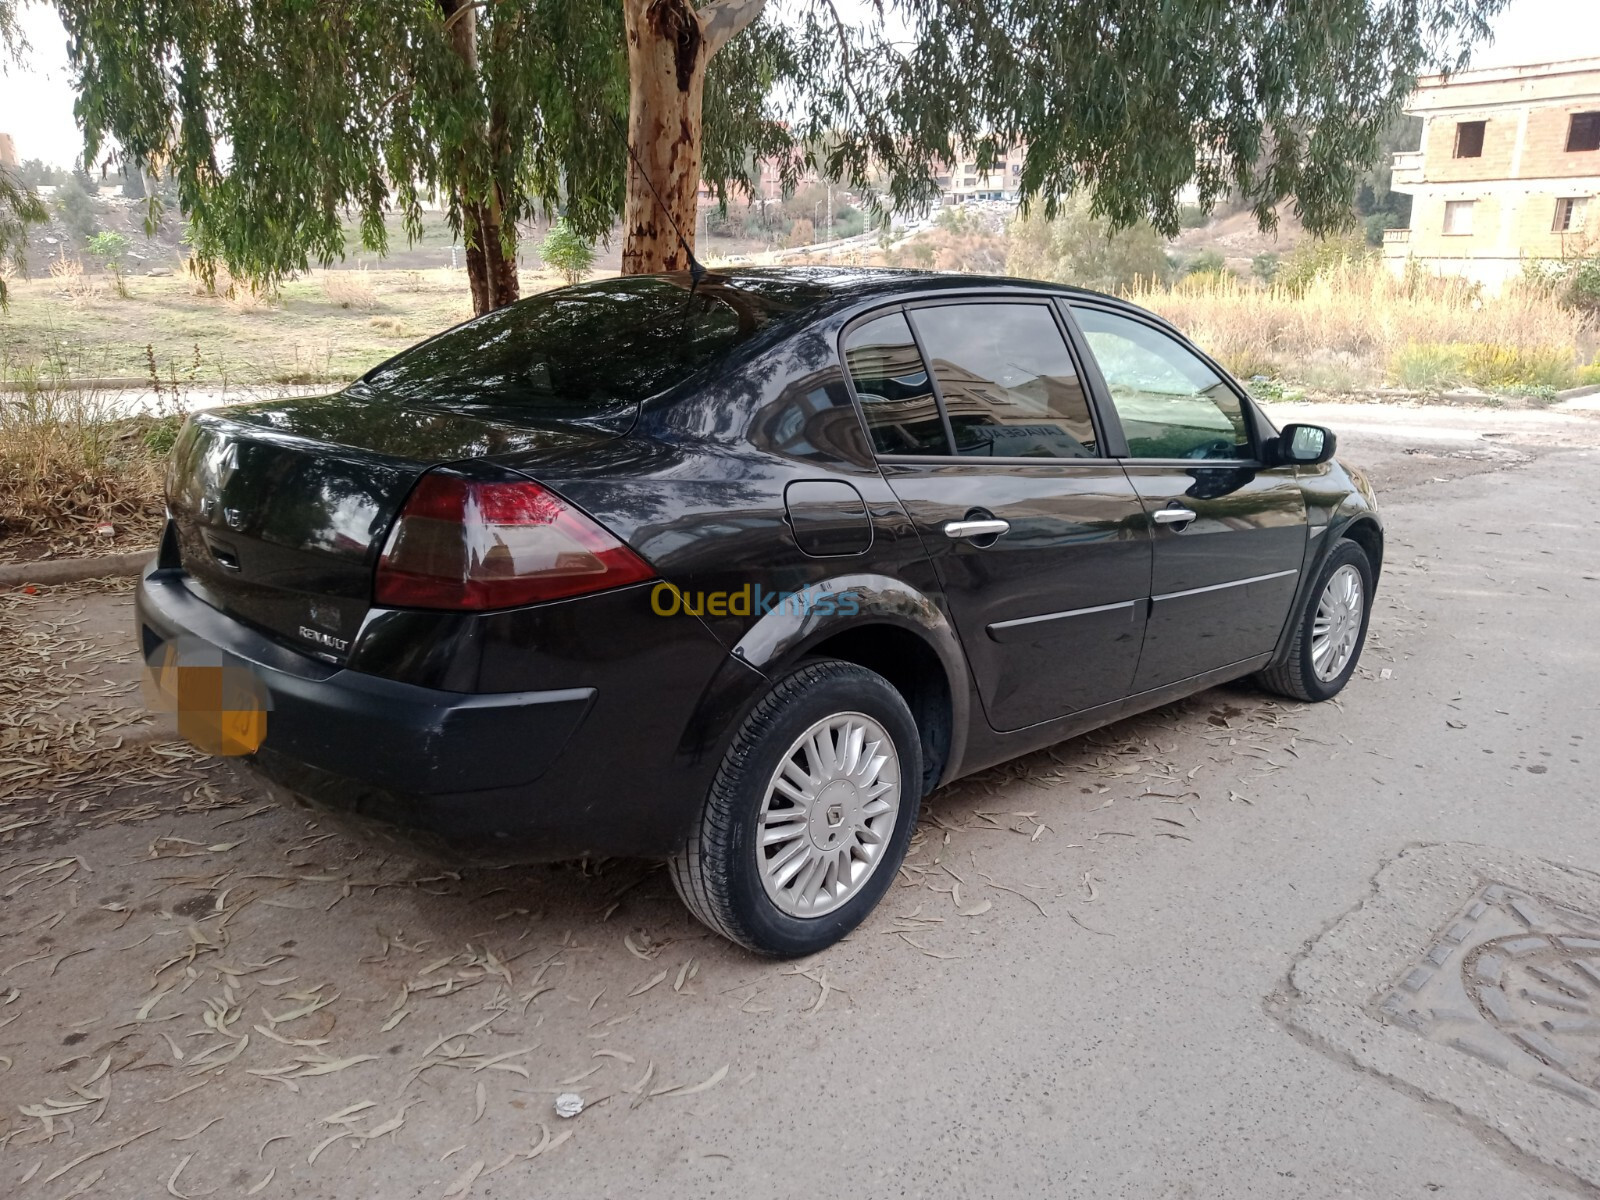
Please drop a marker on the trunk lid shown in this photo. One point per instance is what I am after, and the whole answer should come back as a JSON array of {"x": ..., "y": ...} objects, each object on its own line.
[{"x": 281, "y": 509}]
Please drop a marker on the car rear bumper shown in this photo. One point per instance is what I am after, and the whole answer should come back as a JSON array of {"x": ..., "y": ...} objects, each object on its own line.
[{"x": 463, "y": 777}]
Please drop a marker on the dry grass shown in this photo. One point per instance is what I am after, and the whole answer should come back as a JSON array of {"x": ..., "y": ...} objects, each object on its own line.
[
  {"x": 242, "y": 297},
  {"x": 70, "y": 464},
  {"x": 350, "y": 289},
  {"x": 1359, "y": 323},
  {"x": 300, "y": 338},
  {"x": 71, "y": 281}
]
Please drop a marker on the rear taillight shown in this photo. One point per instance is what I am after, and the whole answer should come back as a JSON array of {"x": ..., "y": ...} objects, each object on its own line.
[{"x": 469, "y": 544}]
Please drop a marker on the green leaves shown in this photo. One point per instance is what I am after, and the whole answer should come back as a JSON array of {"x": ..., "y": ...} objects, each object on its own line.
[
  {"x": 275, "y": 117},
  {"x": 1128, "y": 100},
  {"x": 567, "y": 252},
  {"x": 20, "y": 207}
]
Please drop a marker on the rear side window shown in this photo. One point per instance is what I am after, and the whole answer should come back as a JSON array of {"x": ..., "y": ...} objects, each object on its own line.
[
  {"x": 893, "y": 387},
  {"x": 1008, "y": 384},
  {"x": 572, "y": 353}
]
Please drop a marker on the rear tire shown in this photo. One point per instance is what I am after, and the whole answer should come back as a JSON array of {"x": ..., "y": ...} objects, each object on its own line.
[
  {"x": 1328, "y": 635},
  {"x": 809, "y": 816}
]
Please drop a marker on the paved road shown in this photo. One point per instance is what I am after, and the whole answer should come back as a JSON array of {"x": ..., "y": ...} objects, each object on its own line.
[{"x": 1077, "y": 990}]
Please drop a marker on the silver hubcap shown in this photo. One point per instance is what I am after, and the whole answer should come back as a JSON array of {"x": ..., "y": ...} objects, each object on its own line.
[
  {"x": 1337, "y": 624},
  {"x": 829, "y": 813}
]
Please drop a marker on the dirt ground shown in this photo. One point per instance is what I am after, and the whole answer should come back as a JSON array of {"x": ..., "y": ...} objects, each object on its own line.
[{"x": 1075, "y": 989}]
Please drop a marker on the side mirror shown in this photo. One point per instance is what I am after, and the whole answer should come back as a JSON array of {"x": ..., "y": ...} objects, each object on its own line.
[{"x": 1305, "y": 445}]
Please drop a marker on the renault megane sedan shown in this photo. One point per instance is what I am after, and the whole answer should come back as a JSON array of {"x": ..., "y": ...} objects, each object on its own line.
[{"x": 734, "y": 570}]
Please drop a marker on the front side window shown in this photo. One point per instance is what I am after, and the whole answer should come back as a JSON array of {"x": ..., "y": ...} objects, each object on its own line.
[
  {"x": 1469, "y": 139},
  {"x": 1008, "y": 384},
  {"x": 1170, "y": 402},
  {"x": 893, "y": 387},
  {"x": 1458, "y": 216},
  {"x": 1584, "y": 132}
]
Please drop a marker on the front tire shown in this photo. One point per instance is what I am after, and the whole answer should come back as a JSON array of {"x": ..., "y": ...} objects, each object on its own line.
[
  {"x": 810, "y": 814},
  {"x": 1330, "y": 630}
]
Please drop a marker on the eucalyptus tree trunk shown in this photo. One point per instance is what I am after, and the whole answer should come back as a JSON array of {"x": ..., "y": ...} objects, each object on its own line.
[
  {"x": 669, "y": 45},
  {"x": 490, "y": 244}
]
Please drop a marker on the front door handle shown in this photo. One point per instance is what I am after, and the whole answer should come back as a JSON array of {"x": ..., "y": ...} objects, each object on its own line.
[
  {"x": 992, "y": 527},
  {"x": 1174, "y": 516}
]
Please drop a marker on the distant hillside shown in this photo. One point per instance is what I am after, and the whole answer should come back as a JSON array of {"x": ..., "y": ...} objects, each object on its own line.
[{"x": 1239, "y": 239}]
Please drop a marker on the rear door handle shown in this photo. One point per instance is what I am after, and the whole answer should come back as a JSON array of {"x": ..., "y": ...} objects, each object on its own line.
[
  {"x": 993, "y": 527},
  {"x": 1174, "y": 516}
]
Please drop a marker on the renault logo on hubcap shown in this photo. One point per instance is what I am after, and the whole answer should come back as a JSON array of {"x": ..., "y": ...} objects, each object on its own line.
[{"x": 834, "y": 815}]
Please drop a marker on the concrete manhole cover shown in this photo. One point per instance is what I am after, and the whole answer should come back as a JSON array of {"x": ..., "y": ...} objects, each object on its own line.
[
  {"x": 1472, "y": 976},
  {"x": 1515, "y": 981}
]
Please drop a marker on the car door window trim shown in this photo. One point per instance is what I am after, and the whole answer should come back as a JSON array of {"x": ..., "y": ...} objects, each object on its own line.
[{"x": 1232, "y": 583}]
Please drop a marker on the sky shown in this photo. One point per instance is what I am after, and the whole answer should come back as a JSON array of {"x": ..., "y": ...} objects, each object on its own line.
[{"x": 36, "y": 102}]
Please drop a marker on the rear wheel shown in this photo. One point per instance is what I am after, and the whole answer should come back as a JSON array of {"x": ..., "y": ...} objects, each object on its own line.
[
  {"x": 1330, "y": 629},
  {"x": 809, "y": 816}
]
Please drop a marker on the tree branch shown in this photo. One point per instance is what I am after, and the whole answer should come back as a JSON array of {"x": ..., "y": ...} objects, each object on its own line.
[
  {"x": 723, "y": 20},
  {"x": 844, "y": 54}
]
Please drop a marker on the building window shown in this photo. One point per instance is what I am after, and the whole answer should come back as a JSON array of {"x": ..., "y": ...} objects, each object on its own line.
[
  {"x": 1469, "y": 139},
  {"x": 1584, "y": 132},
  {"x": 1458, "y": 216},
  {"x": 1572, "y": 213}
]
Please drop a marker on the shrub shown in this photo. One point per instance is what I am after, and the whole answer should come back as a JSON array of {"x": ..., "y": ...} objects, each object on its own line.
[
  {"x": 922, "y": 253},
  {"x": 1336, "y": 371},
  {"x": 70, "y": 460},
  {"x": 1311, "y": 259},
  {"x": 849, "y": 221},
  {"x": 1574, "y": 279},
  {"x": 1079, "y": 248},
  {"x": 1583, "y": 284},
  {"x": 76, "y": 207},
  {"x": 1366, "y": 324},
  {"x": 109, "y": 247},
  {"x": 567, "y": 252},
  {"x": 1265, "y": 266},
  {"x": 1207, "y": 262},
  {"x": 959, "y": 219},
  {"x": 162, "y": 435},
  {"x": 1501, "y": 366},
  {"x": 248, "y": 296},
  {"x": 1428, "y": 367},
  {"x": 74, "y": 284}
]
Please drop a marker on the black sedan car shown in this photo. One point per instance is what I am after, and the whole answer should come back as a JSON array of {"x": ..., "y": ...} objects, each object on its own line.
[{"x": 734, "y": 570}]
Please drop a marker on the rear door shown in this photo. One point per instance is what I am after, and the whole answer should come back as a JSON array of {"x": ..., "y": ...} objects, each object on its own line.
[
  {"x": 1040, "y": 542},
  {"x": 1229, "y": 533}
]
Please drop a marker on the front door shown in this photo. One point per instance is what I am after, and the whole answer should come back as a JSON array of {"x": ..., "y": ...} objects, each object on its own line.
[
  {"x": 1041, "y": 543},
  {"x": 1229, "y": 534}
]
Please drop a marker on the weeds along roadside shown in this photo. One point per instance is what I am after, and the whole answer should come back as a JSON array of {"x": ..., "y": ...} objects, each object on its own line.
[{"x": 81, "y": 467}]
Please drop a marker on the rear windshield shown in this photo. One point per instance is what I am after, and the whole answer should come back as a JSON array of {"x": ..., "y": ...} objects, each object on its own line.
[{"x": 574, "y": 353}]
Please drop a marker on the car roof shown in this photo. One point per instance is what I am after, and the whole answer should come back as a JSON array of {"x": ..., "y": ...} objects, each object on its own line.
[
  {"x": 822, "y": 284},
  {"x": 813, "y": 290}
]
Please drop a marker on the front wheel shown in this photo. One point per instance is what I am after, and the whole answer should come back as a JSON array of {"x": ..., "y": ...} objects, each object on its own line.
[
  {"x": 809, "y": 816},
  {"x": 1330, "y": 629}
]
